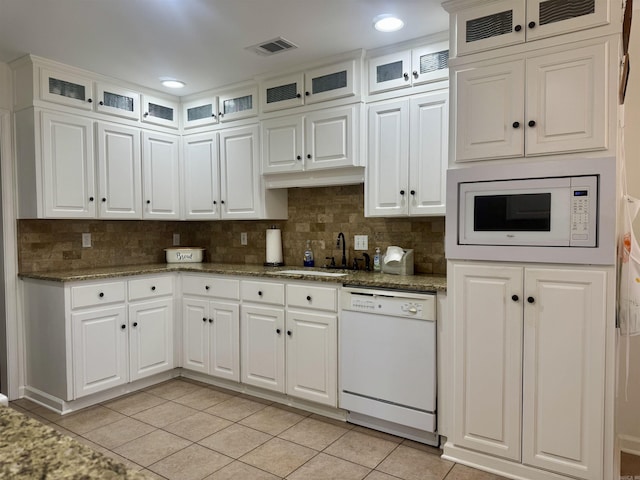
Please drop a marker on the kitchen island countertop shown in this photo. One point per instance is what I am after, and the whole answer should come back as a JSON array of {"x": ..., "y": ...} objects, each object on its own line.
[
  {"x": 30, "y": 449},
  {"x": 360, "y": 278}
]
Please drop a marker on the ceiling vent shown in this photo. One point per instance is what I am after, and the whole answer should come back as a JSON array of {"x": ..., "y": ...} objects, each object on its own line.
[{"x": 271, "y": 47}]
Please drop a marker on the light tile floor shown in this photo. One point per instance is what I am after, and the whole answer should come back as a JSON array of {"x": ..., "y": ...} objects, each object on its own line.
[{"x": 187, "y": 430}]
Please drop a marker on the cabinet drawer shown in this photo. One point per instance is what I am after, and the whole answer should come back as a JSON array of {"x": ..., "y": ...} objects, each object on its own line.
[
  {"x": 97, "y": 294},
  {"x": 150, "y": 287},
  {"x": 211, "y": 286},
  {"x": 262, "y": 292},
  {"x": 311, "y": 296}
]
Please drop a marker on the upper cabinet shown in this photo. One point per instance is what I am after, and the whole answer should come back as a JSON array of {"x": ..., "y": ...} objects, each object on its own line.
[
  {"x": 238, "y": 103},
  {"x": 200, "y": 112},
  {"x": 409, "y": 68},
  {"x": 317, "y": 85},
  {"x": 117, "y": 101},
  {"x": 479, "y": 26},
  {"x": 66, "y": 88},
  {"x": 160, "y": 176},
  {"x": 160, "y": 111}
]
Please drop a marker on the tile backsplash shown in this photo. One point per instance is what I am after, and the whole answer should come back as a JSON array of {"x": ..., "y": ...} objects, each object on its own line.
[{"x": 316, "y": 214}]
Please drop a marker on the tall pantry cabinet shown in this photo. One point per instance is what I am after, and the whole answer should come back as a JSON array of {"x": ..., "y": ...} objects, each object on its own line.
[{"x": 532, "y": 345}]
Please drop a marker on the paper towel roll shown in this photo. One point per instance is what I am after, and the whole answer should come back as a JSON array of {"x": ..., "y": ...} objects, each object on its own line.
[{"x": 274, "y": 246}]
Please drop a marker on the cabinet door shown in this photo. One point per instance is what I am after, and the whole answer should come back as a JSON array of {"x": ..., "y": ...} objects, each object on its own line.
[
  {"x": 237, "y": 104},
  {"x": 195, "y": 334},
  {"x": 487, "y": 370},
  {"x": 553, "y": 17},
  {"x": 240, "y": 173},
  {"x": 201, "y": 186},
  {"x": 282, "y": 144},
  {"x": 150, "y": 338},
  {"x": 100, "y": 350},
  {"x": 491, "y": 25},
  {"x": 567, "y": 98},
  {"x": 564, "y": 371},
  {"x": 67, "y": 165},
  {"x": 430, "y": 63},
  {"x": 312, "y": 358},
  {"x": 161, "y": 177},
  {"x": 330, "y": 138},
  {"x": 390, "y": 72},
  {"x": 428, "y": 153},
  {"x": 117, "y": 101},
  {"x": 160, "y": 111},
  {"x": 282, "y": 92},
  {"x": 262, "y": 331},
  {"x": 489, "y": 111},
  {"x": 199, "y": 113},
  {"x": 119, "y": 171},
  {"x": 387, "y": 186},
  {"x": 66, "y": 89},
  {"x": 333, "y": 81},
  {"x": 224, "y": 340}
]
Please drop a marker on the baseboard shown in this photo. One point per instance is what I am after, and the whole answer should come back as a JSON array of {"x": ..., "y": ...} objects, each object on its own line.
[{"x": 629, "y": 444}]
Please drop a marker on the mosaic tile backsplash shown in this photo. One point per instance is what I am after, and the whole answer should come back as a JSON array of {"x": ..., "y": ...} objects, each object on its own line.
[{"x": 316, "y": 214}]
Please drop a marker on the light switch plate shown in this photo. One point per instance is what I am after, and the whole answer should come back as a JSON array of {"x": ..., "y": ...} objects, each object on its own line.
[
  {"x": 86, "y": 240},
  {"x": 243, "y": 238},
  {"x": 361, "y": 242}
]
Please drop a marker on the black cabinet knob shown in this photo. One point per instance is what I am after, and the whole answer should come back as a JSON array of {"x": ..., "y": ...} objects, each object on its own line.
[
  {"x": 308, "y": 298},
  {"x": 204, "y": 319},
  {"x": 220, "y": 114},
  {"x": 289, "y": 332},
  {"x": 91, "y": 199},
  {"x": 207, "y": 287},
  {"x": 146, "y": 114},
  {"x": 531, "y": 299},
  {"x": 101, "y": 102},
  {"x": 104, "y": 199},
  {"x": 415, "y": 74},
  {"x": 532, "y": 123},
  {"x": 406, "y": 76},
  {"x": 222, "y": 202},
  {"x": 135, "y": 324},
  {"x": 517, "y": 28},
  {"x": 101, "y": 294},
  {"x": 215, "y": 203},
  {"x": 307, "y": 94},
  {"x": 259, "y": 293},
  {"x": 516, "y": 124},
  {"x": 278, "y": 331},
  {"x": 532, "y": 24},
  {"x": 412, "y": 192},
  {"x": 515, "y": 298},
  {"x": 401, "y": 192},
  {"x": 89, "y": 100},
  {"x": 299, "y": 157},
  {"x": 153, "y": 288},
  {"x": 148, "y": 202},
  {"x": 123, "y": 326},
  {"x": 298, "y": 95},
  {"x": 213, "y": 115},
  {"x": 308, "y": 155},
  {"x": 211, "y": 320}
]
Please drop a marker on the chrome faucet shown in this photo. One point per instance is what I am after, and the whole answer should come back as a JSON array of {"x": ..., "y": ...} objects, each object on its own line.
[{"x": 344, "y": 247}]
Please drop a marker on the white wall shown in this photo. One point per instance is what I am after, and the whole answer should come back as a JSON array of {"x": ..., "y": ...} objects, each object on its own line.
[
  {"x": 5, "y": 86},
  {"x": 628, "y": 413}
]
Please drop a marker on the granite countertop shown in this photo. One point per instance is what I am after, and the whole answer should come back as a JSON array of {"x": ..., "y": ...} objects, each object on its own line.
[
  {"x": 30, "y": 450},
  {"x": 419, "y": 282}
]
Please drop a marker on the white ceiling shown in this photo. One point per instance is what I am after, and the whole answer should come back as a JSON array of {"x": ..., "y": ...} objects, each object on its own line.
[{"x": 201, "y": 42}]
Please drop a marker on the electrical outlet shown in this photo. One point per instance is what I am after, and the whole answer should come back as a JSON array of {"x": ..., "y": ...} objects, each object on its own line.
[
  {"x": 361, "y": 242},
  {"x": 86, "y": 240},
  {"x": 176, "y": 239},
  {"x": 243, "y": 238}
]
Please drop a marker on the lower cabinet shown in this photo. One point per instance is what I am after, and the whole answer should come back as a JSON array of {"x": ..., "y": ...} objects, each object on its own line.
[{"x": 529, "y": 365}]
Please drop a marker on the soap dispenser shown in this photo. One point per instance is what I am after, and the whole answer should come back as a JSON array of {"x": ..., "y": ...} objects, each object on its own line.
[
  {"x": 376, "y": 260},
  {"x": 308, "y": 255}
]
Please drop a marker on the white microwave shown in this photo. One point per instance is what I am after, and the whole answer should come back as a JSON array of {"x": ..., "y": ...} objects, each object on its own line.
[
  {"x": 560, "y": 211},
  {"x": 555, "y": 211}
]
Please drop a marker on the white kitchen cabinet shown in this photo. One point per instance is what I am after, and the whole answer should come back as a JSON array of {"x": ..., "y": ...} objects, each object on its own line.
[
  {"x": 119, "y": 171},
  {"x": 317, "y": 85},
  {"x": 211, "y": 326},
  {"x": 408, "y": 156},
  {"x": 100, "y": 346},
  {"x": 409, "y": 68},
  {"x": 495, "y": 24},
  {"x": 68, "y": 176},
  {"x": 201, "y": 188},
  {"x": 238, "y": 103},
  {"x": 323, "y": 139},
  {"x": 529, "y": 365},
  {"x": 160, "y": 176},
  {"x": 66, "y": 88},
  {"x": 565, "y": 93},
  {"x": 200, "y": 112},
  {"x": 160, "y": 111},
  {"x": 117, "y": 101}
]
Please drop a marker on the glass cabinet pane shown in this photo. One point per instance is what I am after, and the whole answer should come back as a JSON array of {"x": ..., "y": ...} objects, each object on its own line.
[
  {"x": 239, "y": 104},
  {"x": 282, "y": 93},
  {"x": 200, "y": 112},
  {"x": 326, "y": 83},
  {"x": 432, "y": 62},
  {"x": 67, "y": 89},
  {"x": 559, "y": 10},
  {"x": 160, "y": 111},
  {"x": 389, "y": 71},
  {"x": 500, "y": 23},
  {"x": 121, "y": 102}
]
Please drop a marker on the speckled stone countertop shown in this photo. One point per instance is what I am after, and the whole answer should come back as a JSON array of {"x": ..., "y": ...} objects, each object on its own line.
[
  {"x": 31, "y": 450},
  {"x": 420, "y": 282}
]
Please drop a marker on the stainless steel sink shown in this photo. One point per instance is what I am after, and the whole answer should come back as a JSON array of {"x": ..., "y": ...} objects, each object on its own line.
[{"x": 313, "y": 273}]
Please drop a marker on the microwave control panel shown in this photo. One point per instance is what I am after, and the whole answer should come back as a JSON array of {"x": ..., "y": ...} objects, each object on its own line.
[{"x": 583, "y": 211}]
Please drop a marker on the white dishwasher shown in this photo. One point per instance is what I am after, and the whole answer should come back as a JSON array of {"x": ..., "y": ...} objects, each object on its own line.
[{"x": 388, "y": 361}]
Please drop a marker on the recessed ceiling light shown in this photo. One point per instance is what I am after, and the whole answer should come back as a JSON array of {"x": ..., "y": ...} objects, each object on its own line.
[
  {"x": 172, "y": 83},
  {"x": 387, "y": 23}
]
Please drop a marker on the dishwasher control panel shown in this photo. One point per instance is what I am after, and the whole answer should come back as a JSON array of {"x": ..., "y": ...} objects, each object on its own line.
[{"x": 396, "y": 304}]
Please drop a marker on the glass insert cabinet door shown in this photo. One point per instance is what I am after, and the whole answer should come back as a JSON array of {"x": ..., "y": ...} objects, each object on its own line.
[
  {"x": 160, "y": 111},
  {"x": 117, "y": 101},
  {"x": 66, "y": 88},
  {"x": 238, "y": 103},
  {"x": 201, "y": 112}
]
